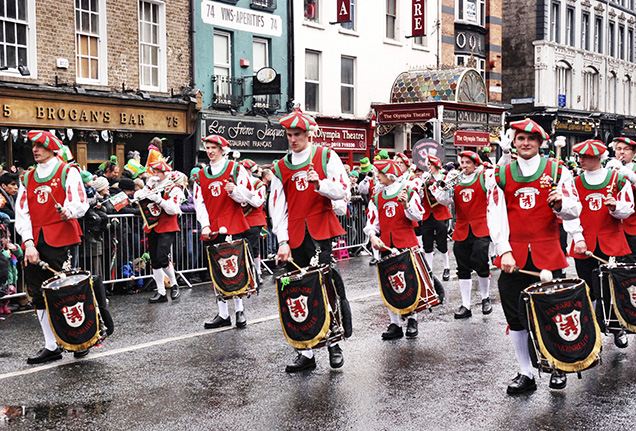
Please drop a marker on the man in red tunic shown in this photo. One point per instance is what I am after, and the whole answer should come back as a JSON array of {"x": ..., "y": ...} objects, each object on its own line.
[
  {"x": 606, "y": 198},
  {"x": 50, "y": 200},
  {"x": 522, "y": 219},
  {"x": 624, "y": 149},
  {"x": 166, "y": 204},
  {"x": 306, "y": 182},
  {"x": 393, "y": 213},
  {"x": 471, "y": 237},
  {"x": 220, "y": 190},
  {"x": 255, "y": 213}
]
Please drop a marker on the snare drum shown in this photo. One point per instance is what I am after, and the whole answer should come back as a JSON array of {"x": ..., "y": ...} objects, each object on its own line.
[
  {"x": 618, "y": 296},
  {"x": 562, "y": 325},
  {"x": 72, "y": 309},
  {"x": 232, "y": 269},
  {"x": 309, "y": 307}
]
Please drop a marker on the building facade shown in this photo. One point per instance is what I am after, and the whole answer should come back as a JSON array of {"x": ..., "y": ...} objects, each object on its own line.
[
  {"x": 107, "y": 75},
  {"x": 570, "y": 65}
]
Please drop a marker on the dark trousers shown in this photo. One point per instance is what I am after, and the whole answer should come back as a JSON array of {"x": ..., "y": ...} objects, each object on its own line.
[
  {"x": 34, "y": 275},
  {"x": 510, "y": 288},
  {"x": 472, "y": 255},
  {"x": 434, "y": 232},
  {"x": 631, "y": 240},
  {"x": 253, "y": 236},
  {"x": 587, "y": 270},
  {"x": 159, "y": 246}
]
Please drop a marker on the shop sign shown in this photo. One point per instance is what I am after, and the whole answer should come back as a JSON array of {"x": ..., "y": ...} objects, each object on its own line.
[
  {"x": 247, "y": 135},
  {"x": 237, "y": 18},
  {"x": 341, "y": 138},
  {"x": 398, "y": 116},
  {"x": 422, "y": 149},
  {"x": 472, "y": 138},
  {"x": 574, "y": 126},
  {"x": 472, "y": 117}
]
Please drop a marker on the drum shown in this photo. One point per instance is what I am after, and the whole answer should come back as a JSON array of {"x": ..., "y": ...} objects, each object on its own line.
[
  {"x": 150, "y": 212},
  {"x": 618, "y": 296},
  {"x": 406, "y": 285},
  {"x": 309, "y": 307},
  {"x": 562, "y": 325},
  {"x": 232, "y": 269},
  {"x": 72, "y": 309}
]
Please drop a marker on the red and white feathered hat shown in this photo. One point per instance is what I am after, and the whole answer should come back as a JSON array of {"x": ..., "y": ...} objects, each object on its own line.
[
  {"x": 625, "y": 140},
  {"x": 472, "y": 156},
  {"x": 46, "y": 139},
  {"x": 388, "y": 167},
  {"x": 250, "y": 165},
  {"x": 297, "y": 119},
  {"x": 435, "y": 161},
  {"x": 216, "y": 139},
  {"x": 530, "y": 126},
  {"x": 404, "y": 158},
  {"x": 591, "y": 147}
]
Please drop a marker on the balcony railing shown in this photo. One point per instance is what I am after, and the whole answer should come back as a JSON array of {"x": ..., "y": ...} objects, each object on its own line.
[
  {"x": 270, "y": 103},
  {"x": 228, "y": 92},
  {"x": 268, "y": 5}
]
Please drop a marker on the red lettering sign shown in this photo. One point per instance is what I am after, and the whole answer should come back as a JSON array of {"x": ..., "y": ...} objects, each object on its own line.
[
  {"x": 418, "y": 27},
  {"x": 341, "y": 138},
  {"x": 472, "y": 138},
  {"x": 400, "y": 116},
  {"x": 343, "y": 13}
]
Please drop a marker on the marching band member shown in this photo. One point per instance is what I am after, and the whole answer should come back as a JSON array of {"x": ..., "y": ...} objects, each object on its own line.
[
  {"x": 255, "y": 214},
  {"x": 393, "y": 213},
  {"x": 220, "y": 190},
  {"x": 50, "y": 200},
  {"x": 369, "y": 187},
  {"x": 624, "y": 150},
  {"x": 471, "y": 236},
  {"x": 165, "y": 204},
  {"x": 306, "y": 182},
  {"x": 522, "y": 219},
  {"x": 606, "y": 198},
  {"x": 434, "y": 226}
]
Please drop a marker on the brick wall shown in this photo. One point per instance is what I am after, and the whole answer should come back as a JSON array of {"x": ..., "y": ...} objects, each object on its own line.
[
  {"x": 448, "y": 33},
  {"x": 494, "y": 53}
]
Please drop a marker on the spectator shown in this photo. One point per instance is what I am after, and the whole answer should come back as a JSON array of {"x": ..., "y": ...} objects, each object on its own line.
[
  {"x": 8, "y": 192},
  {"x": 101, "y": 186}
]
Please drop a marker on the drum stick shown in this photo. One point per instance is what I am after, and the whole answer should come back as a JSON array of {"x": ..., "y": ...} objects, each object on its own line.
[
  {"x": 392, "y": 250},
  {"x": 544, "y": 275},
  {"x": 294, "y": 263},
  {"x": 592, "y": 255},
  {"x": 58, "y": 207},
  {"x": 42, "y": 264}
]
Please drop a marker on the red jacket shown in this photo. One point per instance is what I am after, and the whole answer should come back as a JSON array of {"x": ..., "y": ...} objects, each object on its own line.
[
  {"x": 396, "y": 230},
  {"x": 471, "y": 203}
]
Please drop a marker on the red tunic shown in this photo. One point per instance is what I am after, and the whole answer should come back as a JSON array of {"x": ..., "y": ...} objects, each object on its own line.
[
  {"x": 471, "y": 203},
  {"x": 44, "y": 216},
  {"x": 533, "y": 224},
  {"x": 438, "y": 211},
  {"x": 166, "y": 222},
  {"x": 222, "y": 210},
  {"x": 306, "y": 208},
  {"x": 256, "y": 216},
  {"x": 596, "y": 220},
  {"x": 396, "y": 230},
  {"x": 629, "y": 224}
]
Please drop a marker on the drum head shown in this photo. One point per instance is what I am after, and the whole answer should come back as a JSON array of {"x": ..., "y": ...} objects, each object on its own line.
[
  {"x": 72, "y": 278},
  {"x": 621, "y": 265},
  {"x": 554, "y": 286}
]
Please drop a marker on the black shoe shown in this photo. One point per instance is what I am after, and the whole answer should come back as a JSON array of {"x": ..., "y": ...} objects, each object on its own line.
[
  {"x": 521, "y": 384},
  {"x": 336, "y": 358},
  {"x": 45, "y": 355},
  {"x": 301, "y": 363},
  {"x": 486, "y": 306},
  {"x": 373, "y": 261},
  {"x": 217, "y": 322},
  {"x": 241, "y": 321},
  {"x": 620, "y": 339},
  {"x": 175, "y": 293},
  {"x": 446, "y": 274},
  {"x": 558, "y": 380},
  {"x": 80, "y": 354},
  {"x": 158, "y": 298},
  {"x": 393, "y": 332},
  {"x": 463, "y": 313},
  {"x": 411, "y": 328}
]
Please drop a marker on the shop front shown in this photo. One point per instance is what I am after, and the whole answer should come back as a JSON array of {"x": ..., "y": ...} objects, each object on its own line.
[
  {"x": 95, "y": 125},
  {"x": 351, "y": 139}
]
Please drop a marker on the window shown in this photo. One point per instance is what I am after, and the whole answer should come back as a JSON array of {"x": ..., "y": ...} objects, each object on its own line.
[
  {"x": 621, "y": 42},
  {"x": 611, "y": 39},
  {"x": 420, "y": 41},
  {"x": 591, "y": 87},
  {"x": 473, "y": 11},
  {"x": 611, "y": 92},
  {"x": 598, "y": 34},
  {"x": 347, "y": 86},
  {"x": 152, "y": 46},
  {"x": 627, "y": 95},
  {"x": 260, "y": 59},
  {"x": 564, "y": 84},
  {"x": 222, "y": 65},
  {"x": 569, "y": 26},
  {"x": 312, "y": 80},
  {"x": 17, "y": 35},
  {"x": 90, "y": 40},
  {"x": 471, "y": 61},
  {"x": 555, "y": 25},
  {"x": 585, "y": 31},
  {"x": 351, "y": 25},
  {"x": 630, "y": 45},
  {"x": 391, "y": 19},
  {"x": 312, "y": 11},
  {"x": 269, "y": 5}
]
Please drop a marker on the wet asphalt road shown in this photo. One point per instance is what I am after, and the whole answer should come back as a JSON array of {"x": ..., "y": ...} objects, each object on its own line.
[{"x": 162, "y": 371}]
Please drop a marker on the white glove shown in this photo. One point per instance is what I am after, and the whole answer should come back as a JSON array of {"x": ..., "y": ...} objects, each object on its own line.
[
  {"x": 155, "y": 197},
  {"x": 614, "y": 164},
  {"x": 628, "y": 173},
  {"x": 505, "y": 140}
]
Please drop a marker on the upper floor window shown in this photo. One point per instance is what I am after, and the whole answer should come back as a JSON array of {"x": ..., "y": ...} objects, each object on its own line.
[
  {"x": 585, "y": 31},
  {"x": 17, "y": 37},
  {"x": 152, "y": 45},
  {"x": 312, "y": 80},
  {"x": 473, "y": 11},
  {"x": 598, "y": 34},
  {"x": 351, "y": 25},
  {"x": 611, "y": 39},
  {"x": 569, "y": 26},
  {"x": 555, "y": 22},
  {"x": 391, "y": 19},
  {"x": 630, "y": 45},
  {"x": 347, "y": 84},
  {"x": 90, "y": 41},
  {"x": 312, "y": 11},
  {"x": 621, "y": 42}
]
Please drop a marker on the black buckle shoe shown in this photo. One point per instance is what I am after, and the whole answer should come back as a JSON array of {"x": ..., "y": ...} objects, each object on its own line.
[
  {"x": 175, "y": 293},
  {"x": 620, "y": 339},
  {"x": 446, "y": 274},
  {"x": 80, "y": 354},
  {"x": 156, "y": 298},
  {"x": 411, "y": 328},
  {"x": 486, "y": 306},
  {"x": 218, "y": 322},
  {"x": 301, "y": 363},
  {"x": 558, "y": 380},
  {"x": 241, "y": 321},
  {"x": 336, "y": 358},
  {"x": 521, "y": 384},
  {"x": 393, "y": 332},
  {"x": 463, "y": 313},
  {"x": 373, "y": 261},
  {"x": 45, "y": 355}
]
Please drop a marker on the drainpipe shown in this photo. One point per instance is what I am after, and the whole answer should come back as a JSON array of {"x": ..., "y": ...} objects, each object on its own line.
[{"x": 290, "y": 54}]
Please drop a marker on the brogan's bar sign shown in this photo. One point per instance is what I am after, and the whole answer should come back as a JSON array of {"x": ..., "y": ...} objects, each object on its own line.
[
  {"x": 472, "y": 138},
  {"x": 341, "y": 138}
]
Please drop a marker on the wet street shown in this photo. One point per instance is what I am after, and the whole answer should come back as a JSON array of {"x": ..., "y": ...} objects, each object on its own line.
[{"x": 162, "y": 371}]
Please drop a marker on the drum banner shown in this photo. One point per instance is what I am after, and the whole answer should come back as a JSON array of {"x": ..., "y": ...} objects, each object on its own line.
[
  {"x": 428, "y": 296},
  {"x": 73, "y": 315},
  {"x": 303, "y": 309},
  {"x": 150, "y": 212},
  {"x": 400, "y": 284},
  {"x": 623, "y": 290},
  {"x": 230, "y": 266},
  {"x": 566, "y": 329}
]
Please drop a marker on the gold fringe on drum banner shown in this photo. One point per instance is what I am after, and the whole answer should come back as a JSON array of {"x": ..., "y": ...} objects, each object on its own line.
[
  {"x": 564, "y": 366},
  {"x": 411, "y": 307},
  {"x": 242, "y": 291},
  {"x": 619, "y": 316}
]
